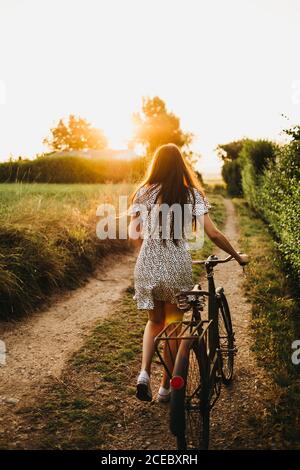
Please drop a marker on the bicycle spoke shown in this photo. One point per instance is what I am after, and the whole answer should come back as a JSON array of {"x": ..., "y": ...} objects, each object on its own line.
[
  {"x": 194, "y": 419},
  {"x": 226, "y": 341}
]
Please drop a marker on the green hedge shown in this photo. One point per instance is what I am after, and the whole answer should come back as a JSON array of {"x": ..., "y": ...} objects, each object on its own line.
[
  {"x": 231, "y": 173},
  {"x": 69, "y": 169},
  {"x": 254, "y": 158},
  {"x": 271, "y": 186},
  {"x": 280, "y": 198}
]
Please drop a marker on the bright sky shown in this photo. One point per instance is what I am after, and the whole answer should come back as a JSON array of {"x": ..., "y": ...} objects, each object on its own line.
[{"x": 228, "y": 69}]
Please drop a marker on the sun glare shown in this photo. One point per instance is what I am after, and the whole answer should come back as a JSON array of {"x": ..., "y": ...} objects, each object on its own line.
[{"x": 187, "y": 53}]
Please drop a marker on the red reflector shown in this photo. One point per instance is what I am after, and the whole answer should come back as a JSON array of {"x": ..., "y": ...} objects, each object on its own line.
[{"x": 177, "y": 382}]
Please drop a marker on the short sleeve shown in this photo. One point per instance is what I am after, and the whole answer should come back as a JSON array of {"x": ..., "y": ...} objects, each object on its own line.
[{"x": 201, "y": 205}]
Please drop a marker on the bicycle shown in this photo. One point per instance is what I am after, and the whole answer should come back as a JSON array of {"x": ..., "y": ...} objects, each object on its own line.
[{"x": 204, "y": 359}]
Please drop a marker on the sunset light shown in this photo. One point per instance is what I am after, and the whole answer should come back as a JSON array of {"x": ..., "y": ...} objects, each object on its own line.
[
  {"x": 97, "y": 59},
  {"x": 149, "y": 232}
]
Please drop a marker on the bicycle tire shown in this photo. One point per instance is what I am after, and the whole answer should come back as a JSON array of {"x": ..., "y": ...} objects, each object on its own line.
[
  {"x": 226, "y": 340},
  {"x": 189, "y": 415}
]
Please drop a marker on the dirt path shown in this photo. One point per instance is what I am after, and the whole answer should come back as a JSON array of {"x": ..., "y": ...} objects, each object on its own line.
[
  {"x": 38, "y": 346},
  {"x": 233, "y": 418}
]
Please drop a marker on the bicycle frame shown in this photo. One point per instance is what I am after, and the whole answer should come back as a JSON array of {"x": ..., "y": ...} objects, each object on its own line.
[
  {"x": 213, "y": 339},
  {"x": 187, "y": 331},
  {"x": 199, "y": 368},
  {"x": 196, "y": 328}
]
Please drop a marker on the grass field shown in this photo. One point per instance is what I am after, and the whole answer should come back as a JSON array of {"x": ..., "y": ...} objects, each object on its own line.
[
  {"x": 93, "y": 401},
  {"x": 26, "y": 196},
  {"x": 48, "y": 239}
]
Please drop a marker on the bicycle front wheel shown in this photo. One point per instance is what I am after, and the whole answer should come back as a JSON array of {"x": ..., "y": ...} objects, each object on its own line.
[
  {"x": 226, "y": 340},
  {"x": 189, "y": 407}
]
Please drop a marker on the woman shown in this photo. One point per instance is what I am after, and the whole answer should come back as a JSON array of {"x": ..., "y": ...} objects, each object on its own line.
[{"x": 164, "y": 264}]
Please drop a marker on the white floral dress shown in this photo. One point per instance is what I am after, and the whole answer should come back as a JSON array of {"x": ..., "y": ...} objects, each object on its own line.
[{"x": 162, "y": 269}]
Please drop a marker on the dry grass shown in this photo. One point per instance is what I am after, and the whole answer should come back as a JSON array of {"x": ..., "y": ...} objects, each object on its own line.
[
  {"x": 91, "y": 405},
  {"x": 48, "y": 240}
]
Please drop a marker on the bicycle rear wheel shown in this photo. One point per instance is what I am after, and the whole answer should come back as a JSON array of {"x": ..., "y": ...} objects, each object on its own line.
[
  {"x": 189, "y": 407},
  {"x": 226, "y": 340}
]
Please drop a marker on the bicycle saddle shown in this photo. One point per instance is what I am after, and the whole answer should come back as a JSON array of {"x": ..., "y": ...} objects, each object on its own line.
[
  {"x": 196, "y": 291},
  {"x": 185, "y": 298}
]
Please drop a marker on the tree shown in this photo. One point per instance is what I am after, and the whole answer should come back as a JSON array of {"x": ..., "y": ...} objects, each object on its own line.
[
  {"x": 293, "y": 132},
  {"x": 231, "y": 174},
  {"x": 231, "y": 150},
  {"x": 231, "y": 170},
  {"x": 77, "y": 134},
  {"x": 258, "y": 153},
  {"x": 156, "y": 126},
  {"x": 191, "y": 157}
]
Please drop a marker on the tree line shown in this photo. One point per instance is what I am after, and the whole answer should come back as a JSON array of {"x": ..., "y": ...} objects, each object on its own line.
[
  {"x": 267, "y": 175},
  {"x": 154, "y": 125}
]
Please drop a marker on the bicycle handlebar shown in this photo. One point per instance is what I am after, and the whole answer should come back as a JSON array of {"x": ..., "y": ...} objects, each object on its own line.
[{"x": 214, "y": 260}]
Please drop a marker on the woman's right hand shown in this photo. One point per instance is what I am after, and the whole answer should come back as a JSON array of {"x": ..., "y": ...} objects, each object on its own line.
[{"x": 242, "y": 259}]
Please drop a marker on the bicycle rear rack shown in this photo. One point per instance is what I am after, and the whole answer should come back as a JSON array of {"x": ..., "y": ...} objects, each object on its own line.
[{"x": 177, "y": 332}]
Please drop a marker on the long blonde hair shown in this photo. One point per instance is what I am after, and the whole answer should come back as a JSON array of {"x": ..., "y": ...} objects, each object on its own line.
[{"x": 169, "y": 170}]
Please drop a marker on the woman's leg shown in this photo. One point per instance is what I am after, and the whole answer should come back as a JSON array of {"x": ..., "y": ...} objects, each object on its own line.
[
  {"x": 172, "y": 313},
  {"x": 154, "y": 325}
]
